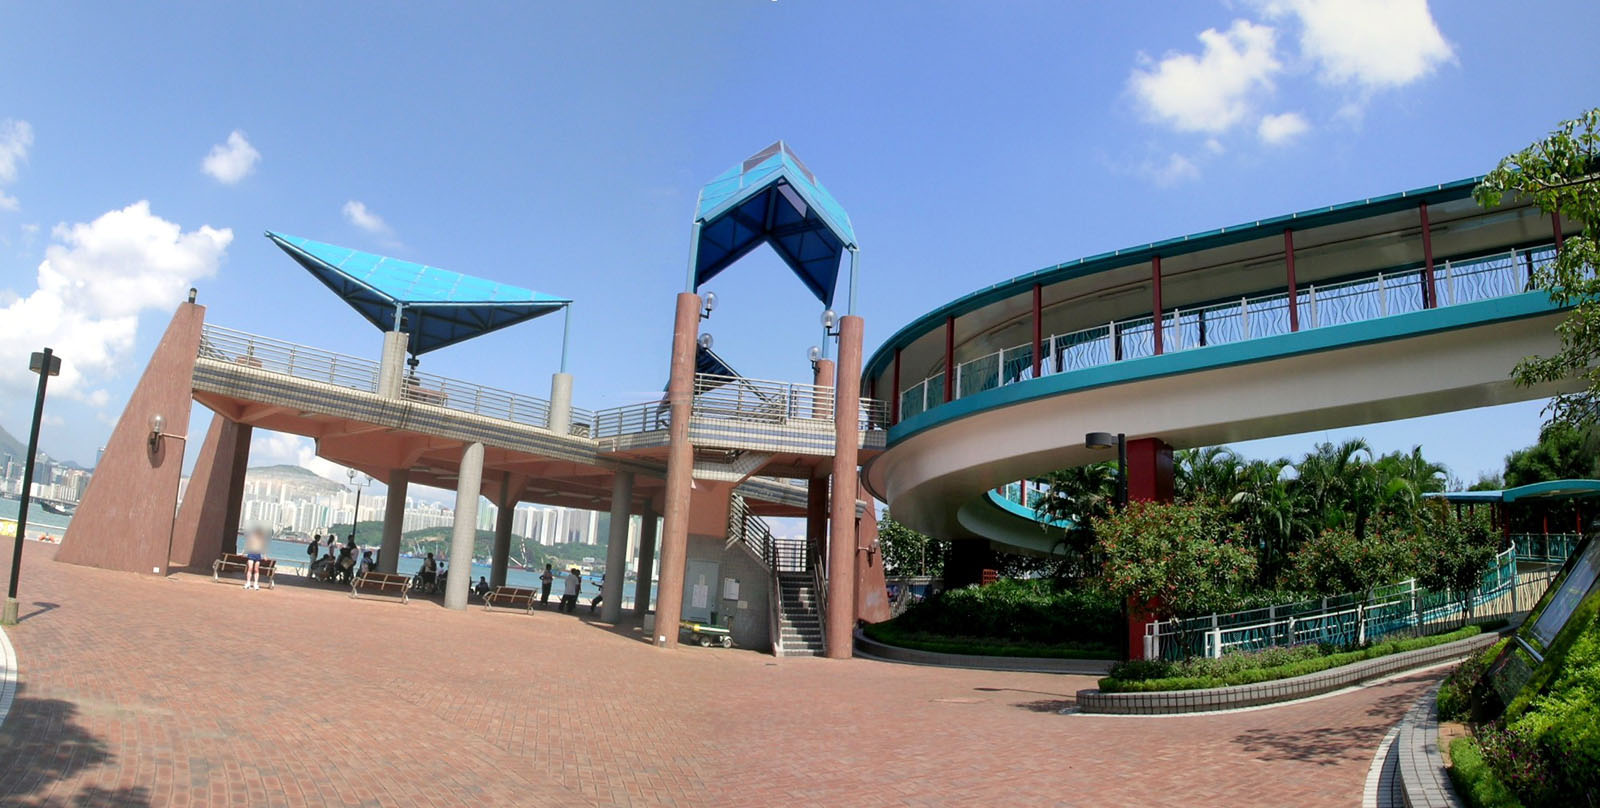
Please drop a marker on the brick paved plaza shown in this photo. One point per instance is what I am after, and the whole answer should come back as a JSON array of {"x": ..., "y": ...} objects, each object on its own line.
[{"x": 138, "y": 690}]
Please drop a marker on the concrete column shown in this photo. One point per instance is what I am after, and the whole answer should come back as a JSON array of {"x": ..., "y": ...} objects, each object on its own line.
[
  {"x": 391, "y": 367},
  {"x": 1150, "y": 473},
  {"x": 680, "y": 472},
  {"x": 561, "y": 403},
  {"x": 817, "y": 487},
  {"x": 394, "y": 519},
  {"x": 647, "y": 561},
  {"x": 840, "y": 619},
  {"x": 469, "y": 484},
  {"x": 506, "y": 510},
  {"x": 617, "y": 547}
]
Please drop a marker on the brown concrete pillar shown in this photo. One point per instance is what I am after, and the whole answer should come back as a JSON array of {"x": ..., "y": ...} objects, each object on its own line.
[
  {"x": 617, "y": 547},
  {"x": 839, "y": 621},
  {"x": 647, "y": 560},
  {"x": 208, "y": 518},
  {"x": 505, "y": 512},
  {"x": 872, "y": 591},
  {"x": 394, "y": 519},
  {"x": 680, "y": 471},
  {"x": 126, "y": 518}
]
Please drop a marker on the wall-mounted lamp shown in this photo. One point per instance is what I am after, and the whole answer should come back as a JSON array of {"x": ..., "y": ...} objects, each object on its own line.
[
  {"x": 708, "y": 304},
  {"x": 705, "y": 341},
  {"x": 158, "y": 427},
  {"x": 830, "y": 323}
]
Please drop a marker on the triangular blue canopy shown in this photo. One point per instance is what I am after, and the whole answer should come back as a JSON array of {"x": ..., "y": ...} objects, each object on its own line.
[
  {"x": 437, "y": 307},
  {"x": 773, "y": 198}
]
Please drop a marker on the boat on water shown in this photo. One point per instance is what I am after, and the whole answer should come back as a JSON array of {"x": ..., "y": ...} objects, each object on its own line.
[{"x": 59, "y": 510}]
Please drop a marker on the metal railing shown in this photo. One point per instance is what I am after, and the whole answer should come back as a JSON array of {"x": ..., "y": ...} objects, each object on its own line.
[
  {"x": 1545, "y": 548},
  {"x": 738, "y": 399},
  {"x": 313, "y": 364},
  {"x": 1352, "y": 619},
  {"x": 1248, "y": 317}
]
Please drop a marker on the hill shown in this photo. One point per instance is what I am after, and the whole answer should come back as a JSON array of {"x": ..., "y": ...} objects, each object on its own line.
[
  {"x": 295, "y": 477},
  {"x": 436, "y": 540}
]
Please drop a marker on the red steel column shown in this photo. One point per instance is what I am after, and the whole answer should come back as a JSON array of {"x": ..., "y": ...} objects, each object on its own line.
[
  {"x": 949, "y": 358},
  {"x": 1038, "y": 328},
  {"x": 680, "y": 471},
  {"x": 839, "y": 621},
  {"x": 1150, "y": 479},
  {"x": 1294, "y": 294},
  {"x": 1555, "y": 224},
  {"x": 894, "y": 398},
  {"x": 1429, "y": 294}
]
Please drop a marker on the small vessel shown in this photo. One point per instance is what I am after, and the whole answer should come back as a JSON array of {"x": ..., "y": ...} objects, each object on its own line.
[{"x": 59, "y": 510}]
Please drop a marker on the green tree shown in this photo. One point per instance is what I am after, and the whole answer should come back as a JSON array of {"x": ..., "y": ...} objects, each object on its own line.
[
  {"x": 1206, "y": 476},
  {"x": 907, "y": 552},
  {"x": 1180, "y": 559},
  {"x": 1458, "y": 550},
  {"x": 1563, "y": 452},
  {"x": 1338, "y": 561},
  {"x": 1561, "y": 175}
]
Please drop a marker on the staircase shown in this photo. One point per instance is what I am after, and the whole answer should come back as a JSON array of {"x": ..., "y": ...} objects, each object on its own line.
[{"x": 799, "y": 620}]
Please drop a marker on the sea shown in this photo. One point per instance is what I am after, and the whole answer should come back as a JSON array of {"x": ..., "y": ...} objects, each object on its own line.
[{"x": 44, "y": 523}]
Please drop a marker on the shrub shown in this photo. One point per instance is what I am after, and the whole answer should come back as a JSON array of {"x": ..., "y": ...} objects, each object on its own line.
[
  {"x": 1519, "y": 763},
  {"x": 1475, "y": 781},
  {"x": 1183, "y": 559},
  {"x": 1456, "y": 692},
  {"x": 1260, "y": 666},
  {"x": 1033, "y": 611}
]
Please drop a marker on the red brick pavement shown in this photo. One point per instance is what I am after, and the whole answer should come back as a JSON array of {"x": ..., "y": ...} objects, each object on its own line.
[{"x": 138, "y": 690}]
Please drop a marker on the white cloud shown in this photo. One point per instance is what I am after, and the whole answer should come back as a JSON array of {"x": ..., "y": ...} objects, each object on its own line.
[
  {"x": 357, "y": 214},
  {"x": 94, "y": 282},
  {"x": 1369, "y": 44},
  {"x": 16, "y": 137},
  {"x": 1276, "y": 130},
  {"x": 1214, "y": 91},
  {"x": 232, "y": 161},
  {"x": 281, "y": 448},
  {"x": 1174, "y": 170}
]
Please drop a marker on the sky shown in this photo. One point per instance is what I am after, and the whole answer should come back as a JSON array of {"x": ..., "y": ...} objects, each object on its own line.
[{"x": 145, "y": 147}]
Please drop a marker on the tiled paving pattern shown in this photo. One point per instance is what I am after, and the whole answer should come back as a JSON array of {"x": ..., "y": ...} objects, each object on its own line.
[{"x": 136, "y": 690}]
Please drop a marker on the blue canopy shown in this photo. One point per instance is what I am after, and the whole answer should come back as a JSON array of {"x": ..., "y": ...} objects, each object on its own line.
[
  {"x": 773, "y": 198},
  {"x": 1549, "y": 489},
  {"x": 436, "y": 307}
]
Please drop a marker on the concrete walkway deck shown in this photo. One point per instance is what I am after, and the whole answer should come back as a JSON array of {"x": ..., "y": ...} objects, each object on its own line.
[{"x": 145, "y": 691}]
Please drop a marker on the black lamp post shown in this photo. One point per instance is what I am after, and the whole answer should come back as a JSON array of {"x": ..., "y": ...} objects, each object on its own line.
[
  {"x": 355, "y": 518},
  {"x": 46, "y": 364},
  {"x": 1105, "y": 440}
]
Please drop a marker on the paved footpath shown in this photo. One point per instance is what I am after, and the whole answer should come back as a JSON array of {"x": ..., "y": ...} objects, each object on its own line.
[{"x": 145, "y": 691}]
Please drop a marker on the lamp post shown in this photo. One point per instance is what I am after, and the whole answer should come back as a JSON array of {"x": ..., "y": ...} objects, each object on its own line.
[
  {"x": 46, "y": 364},
  {"x": 1105, "y": 440},
  {"x": 355, "y": 516}
]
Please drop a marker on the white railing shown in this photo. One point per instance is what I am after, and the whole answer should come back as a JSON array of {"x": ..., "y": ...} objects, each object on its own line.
[
  {"x": 1248, "y": 317},
  {"x": 739, "y": 399},
  {"x": 313, "y": 364}
]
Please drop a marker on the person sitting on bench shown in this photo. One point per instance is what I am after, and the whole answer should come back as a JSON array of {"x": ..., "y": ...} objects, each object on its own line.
[
  {"x": 367, "y": 564},
  {"x": 430, "y": 572},
  {"x": 481, "y": 588}
]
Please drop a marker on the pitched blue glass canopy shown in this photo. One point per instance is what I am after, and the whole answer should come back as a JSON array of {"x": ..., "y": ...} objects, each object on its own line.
[
  {"x": 437, "y": 307},
  {"x": 772, "y": 198}
]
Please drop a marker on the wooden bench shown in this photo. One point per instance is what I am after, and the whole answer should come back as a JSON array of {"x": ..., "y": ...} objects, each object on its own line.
[
  {"x": 511, "y": 597},
  {"x": 382, "y": 582},
  {"x": 236, "y": 562}
]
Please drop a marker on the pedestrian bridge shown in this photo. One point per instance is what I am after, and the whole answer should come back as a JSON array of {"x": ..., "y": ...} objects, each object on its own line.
[{"x": 1409, "y": 305}]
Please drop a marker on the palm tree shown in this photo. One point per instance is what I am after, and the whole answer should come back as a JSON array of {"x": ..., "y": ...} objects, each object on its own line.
[
  {"x": 1078, "y": 495},
  {"x": 1207, "y": 475}
]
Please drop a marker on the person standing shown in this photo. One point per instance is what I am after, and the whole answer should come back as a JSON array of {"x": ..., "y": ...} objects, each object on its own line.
[
  {"x": 569, "y": 598},
  {"x": 312, "y": 547},
  {"x": 545, "y": 579},
  {"x": 255, "y": 543}
]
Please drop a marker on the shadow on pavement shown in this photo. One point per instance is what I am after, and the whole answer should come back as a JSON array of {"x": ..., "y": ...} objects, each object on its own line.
[
  {"x": 44, "y": 745},
  {"x": 1324, "y": 746},
  {"x": 39, "y": 607}
]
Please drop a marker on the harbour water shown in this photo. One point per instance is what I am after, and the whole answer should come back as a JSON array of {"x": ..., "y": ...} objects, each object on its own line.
[{"x": 40, "y": 521}]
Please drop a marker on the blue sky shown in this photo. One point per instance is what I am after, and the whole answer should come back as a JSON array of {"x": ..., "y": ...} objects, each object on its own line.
[{"x": 560, "y": 147}]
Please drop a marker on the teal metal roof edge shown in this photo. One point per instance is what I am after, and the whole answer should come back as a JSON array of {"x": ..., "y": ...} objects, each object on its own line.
[
  {"x": 801, "y": 186},
  {"x": 1195, "y": 242},
  {"x": 1553, "y": 488},
  {"x": 537, "y": 299},
  {"x": 1397, "y": 326}
]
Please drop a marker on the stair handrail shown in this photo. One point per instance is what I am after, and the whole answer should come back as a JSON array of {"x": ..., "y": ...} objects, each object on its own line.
[
  {"x": 820, "y": 581},
  {"x": 774, "y": 599}
]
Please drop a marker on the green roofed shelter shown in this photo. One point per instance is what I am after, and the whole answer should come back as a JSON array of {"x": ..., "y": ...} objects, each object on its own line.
[
  {"x": 1547, "y": 490},
  {"x": 436, "y": 307},
  {"x": 772, "y": 198}
]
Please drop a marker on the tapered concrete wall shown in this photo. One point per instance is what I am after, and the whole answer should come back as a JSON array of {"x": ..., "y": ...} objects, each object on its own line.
[
  {"x": 208, "y": 519},
  {"x": 872, "y": 591},
  {"x": 125, "y": 521},
  {"x": 750, "y": 610}
]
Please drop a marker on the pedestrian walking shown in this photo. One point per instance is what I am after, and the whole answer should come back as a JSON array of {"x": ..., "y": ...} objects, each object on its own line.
[{"x": 569, "y": 598}]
